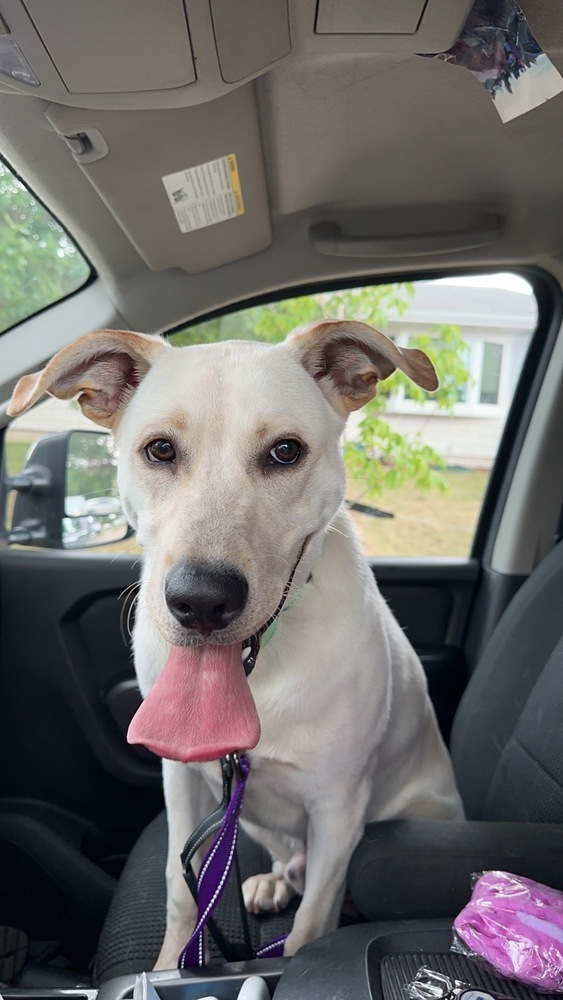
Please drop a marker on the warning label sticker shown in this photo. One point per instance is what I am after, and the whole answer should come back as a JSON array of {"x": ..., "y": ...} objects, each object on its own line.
[{"x": 205, "y": 195}]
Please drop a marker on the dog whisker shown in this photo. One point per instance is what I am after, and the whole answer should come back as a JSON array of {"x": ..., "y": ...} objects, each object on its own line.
[
  {"x": 124, "y": 549},
  {"x": 131, "y": 595},
  {"x": 131, "y": 615},
  {"x": 100, "y": 493},
  {"x": 338, "y": 531},
  {"x": 127, "y": 613},
  {"x": 276, "y": 555},
  {"x": 132, "y": 586}
]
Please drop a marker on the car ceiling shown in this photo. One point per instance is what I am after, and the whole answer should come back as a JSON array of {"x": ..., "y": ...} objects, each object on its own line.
[{"x": 350, "y": 132}]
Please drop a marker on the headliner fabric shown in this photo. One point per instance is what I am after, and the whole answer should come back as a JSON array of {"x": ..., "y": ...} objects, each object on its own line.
[
  {"x": 516, "y": 662},
  {"x": 134, "y": 927}
]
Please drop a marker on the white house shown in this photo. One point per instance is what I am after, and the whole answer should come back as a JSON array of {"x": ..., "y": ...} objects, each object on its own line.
[{"x": 496, "y": 322}]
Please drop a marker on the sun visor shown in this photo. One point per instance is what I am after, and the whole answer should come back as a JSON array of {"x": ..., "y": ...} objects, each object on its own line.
[{"x": 186, "y": 185}]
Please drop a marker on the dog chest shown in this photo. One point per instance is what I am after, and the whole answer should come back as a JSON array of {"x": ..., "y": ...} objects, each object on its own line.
[{"x": 276, "y": 795}]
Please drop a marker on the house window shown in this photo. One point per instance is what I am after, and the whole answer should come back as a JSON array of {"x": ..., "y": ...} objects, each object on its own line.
[{"x": 490, "y": 373}]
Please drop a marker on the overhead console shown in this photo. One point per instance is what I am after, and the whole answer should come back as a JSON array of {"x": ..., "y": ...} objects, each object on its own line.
[
  {"x": 108, "y": 47},
  {"x": 138, "y": 54}
]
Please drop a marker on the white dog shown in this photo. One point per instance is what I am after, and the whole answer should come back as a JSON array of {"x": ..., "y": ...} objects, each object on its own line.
[{"x": 230, "y": 471}]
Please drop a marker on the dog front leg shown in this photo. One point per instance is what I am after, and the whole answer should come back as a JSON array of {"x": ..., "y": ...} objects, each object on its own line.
[
  {"x": 332, "y": 835},
  {"x": 273, "y": 890},
  {"x": 188, "y": 801}
]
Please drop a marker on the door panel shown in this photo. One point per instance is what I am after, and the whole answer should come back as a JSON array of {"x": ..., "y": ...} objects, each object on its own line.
[
  {"x": 61, "y": 652},
  {"x": 432, "y": 599},
  {"x": 73, "y": 795}
]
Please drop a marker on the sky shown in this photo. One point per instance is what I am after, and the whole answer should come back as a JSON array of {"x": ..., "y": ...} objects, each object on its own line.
[{"x": 510, "y": 282}]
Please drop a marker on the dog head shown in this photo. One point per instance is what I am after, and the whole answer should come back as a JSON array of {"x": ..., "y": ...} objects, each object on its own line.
[{"x": 229, "y": 463}]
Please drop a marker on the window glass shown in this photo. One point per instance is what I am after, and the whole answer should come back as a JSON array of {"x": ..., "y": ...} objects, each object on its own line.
[
  {"x": 39, "y": 263},
  {"x": 417, "y": 463},
  {"x": 490, "y": 373}
]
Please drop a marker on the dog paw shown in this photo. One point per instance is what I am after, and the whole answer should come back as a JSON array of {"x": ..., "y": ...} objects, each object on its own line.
[{"x": 266, "y": 893}]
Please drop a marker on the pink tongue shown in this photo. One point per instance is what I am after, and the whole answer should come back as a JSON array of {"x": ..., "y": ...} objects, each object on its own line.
[{"x": 200, "y": 707}]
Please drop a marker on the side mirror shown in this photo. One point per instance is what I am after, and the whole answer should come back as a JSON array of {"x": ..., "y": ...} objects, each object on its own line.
[{"x": 66, "y": 497}]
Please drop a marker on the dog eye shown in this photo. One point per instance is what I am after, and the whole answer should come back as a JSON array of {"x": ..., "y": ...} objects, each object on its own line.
[
  {"x": 160, "y": 451},
  {"x": 286, "y": 452}
]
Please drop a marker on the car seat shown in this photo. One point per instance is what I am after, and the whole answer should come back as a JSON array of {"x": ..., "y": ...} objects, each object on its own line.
[{"x": 507, "y": 748}]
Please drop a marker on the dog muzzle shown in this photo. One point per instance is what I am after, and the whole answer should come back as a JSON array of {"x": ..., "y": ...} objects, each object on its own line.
[{"x": 201, "y": 707}]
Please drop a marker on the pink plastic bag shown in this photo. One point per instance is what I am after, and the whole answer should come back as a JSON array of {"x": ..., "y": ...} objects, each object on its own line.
[{"x": 516, "y": 926}]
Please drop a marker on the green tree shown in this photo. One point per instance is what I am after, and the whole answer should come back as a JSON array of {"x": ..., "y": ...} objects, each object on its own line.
[
  {"x": 380, "y": 456},
  {"x": 39, "y": 263},
  {"x": 91, "y": 465}
]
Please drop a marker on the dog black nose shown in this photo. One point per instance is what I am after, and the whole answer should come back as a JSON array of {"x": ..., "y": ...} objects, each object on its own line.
[{"x": 203, "y": 598}]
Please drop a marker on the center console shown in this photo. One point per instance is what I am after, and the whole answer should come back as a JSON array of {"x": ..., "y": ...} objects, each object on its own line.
[{"x": 360, "y": 962}]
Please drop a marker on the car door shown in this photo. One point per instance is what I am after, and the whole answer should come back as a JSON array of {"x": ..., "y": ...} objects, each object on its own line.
[{"x": 67, "y": 685}]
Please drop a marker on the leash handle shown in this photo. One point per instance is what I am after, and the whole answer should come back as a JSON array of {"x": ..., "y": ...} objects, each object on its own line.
[
  {"x": 203, "y": 831},
  {"x": 211, "y": 823},
  {"x": 218, "y": 862},
  {"x": 216, "y": 866}
]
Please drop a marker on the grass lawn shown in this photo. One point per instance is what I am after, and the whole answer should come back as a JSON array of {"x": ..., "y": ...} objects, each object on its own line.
[
  {"x": 425, "y": 523},
  {"x": 15, "y": 455}
]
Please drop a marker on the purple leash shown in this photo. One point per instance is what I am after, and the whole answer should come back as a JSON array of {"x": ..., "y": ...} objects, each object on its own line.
[{"x": 217, "y": 864}]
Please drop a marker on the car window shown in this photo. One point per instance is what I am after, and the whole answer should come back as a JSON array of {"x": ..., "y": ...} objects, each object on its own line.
[
  {"x": 39, "y": 263},
  {"x": 417, "y": 463}
]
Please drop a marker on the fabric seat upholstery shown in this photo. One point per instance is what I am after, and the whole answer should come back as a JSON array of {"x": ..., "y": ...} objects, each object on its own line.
[
  {"x": 134, "y": 927},
  {"x": 510, "y": 710}
]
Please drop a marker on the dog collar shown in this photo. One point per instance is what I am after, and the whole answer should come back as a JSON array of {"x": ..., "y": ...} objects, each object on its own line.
[
  {"x": 272, "y": 627},
  {"x": 249, "y": 661}
]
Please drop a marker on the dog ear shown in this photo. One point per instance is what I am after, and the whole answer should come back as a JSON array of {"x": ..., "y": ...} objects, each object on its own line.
[
  {"x": 348, "y": 359},
  {"x": 105, "y": 367}
]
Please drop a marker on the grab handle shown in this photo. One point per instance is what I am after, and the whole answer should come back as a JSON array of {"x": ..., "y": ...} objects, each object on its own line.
[{"x": 329, "y": 240}]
